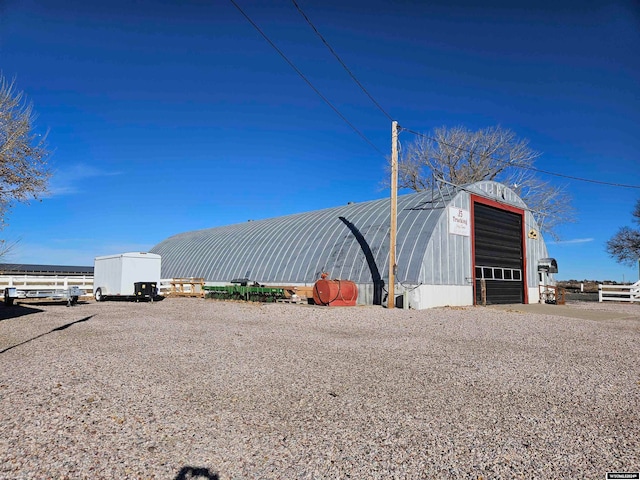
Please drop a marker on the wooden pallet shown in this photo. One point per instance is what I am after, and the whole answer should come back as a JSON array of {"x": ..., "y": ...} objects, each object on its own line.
[{"x": 186, "y": 287}]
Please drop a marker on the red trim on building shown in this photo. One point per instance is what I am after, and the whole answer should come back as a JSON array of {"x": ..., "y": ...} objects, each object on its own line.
[{"x": 508, "y": 208}]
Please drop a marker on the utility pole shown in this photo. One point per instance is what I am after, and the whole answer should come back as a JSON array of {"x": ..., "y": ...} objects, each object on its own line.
[{"x": 391, "y": 298}]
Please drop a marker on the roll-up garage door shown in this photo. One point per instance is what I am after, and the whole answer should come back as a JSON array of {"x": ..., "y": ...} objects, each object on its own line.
[{"x": 498, "y": 258}]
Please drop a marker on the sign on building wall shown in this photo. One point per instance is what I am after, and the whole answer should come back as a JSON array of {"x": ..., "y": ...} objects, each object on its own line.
[{"x": 459, "y": 221}]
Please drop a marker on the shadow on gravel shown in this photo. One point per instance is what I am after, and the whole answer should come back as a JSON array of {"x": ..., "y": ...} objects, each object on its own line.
[
  {"x": 187, "y": 473},
  {"x": 46, "y": 303},
  {"x": 16, "y": 311},
  {"x": 57, "y": 329},
  {"x": 132, "y": 299}
]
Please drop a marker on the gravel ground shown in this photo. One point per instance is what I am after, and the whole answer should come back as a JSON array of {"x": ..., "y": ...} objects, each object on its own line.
[{"x": 192, "y": 388}]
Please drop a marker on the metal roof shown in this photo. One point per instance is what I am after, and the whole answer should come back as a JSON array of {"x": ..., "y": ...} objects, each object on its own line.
[
  {"x": 349, "y": 242},
  {"x": 34, "y": 269}
]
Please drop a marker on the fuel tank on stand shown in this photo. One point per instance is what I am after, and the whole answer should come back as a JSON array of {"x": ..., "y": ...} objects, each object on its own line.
[{"x": 335, "y": 293}]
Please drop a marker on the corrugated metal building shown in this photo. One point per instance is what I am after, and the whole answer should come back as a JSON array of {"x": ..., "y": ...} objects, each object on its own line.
[{"x": 454, "y": 245}]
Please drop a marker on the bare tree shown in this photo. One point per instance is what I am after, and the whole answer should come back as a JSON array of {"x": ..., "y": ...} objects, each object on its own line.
[
  {"x": 624, "y": 246},
  {"x": 24, "y": 172},
  {"x": 462, "y": 156}
]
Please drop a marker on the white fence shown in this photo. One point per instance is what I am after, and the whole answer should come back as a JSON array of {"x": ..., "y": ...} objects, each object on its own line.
[
  {"x": 619, "y": 293},
  {"x": 45, "y": 282},
  {"x": 83, "y": 282}
]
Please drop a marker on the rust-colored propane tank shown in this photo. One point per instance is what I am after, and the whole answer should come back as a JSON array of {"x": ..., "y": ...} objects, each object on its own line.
[{"x": 335, "y": 293}]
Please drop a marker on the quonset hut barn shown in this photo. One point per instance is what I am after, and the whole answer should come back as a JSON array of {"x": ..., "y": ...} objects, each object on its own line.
[{"x": 455, "y": 246}]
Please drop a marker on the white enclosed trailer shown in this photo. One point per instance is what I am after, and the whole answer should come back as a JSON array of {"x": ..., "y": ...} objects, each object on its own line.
[{"x": 117, "y": 275}]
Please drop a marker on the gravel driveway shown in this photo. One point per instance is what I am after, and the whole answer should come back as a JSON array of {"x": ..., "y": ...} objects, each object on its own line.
[{"x": 193, "y": 388}]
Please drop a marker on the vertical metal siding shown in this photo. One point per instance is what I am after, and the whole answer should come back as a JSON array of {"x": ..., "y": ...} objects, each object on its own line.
[{"x": 435, "y": 260}]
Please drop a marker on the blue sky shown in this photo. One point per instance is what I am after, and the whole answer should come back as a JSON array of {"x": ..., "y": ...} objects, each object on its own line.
[{"x": 169, "y": 116}]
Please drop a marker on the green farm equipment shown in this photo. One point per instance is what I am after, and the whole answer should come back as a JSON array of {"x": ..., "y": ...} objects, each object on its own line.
[{"x": 246, "y": 293}]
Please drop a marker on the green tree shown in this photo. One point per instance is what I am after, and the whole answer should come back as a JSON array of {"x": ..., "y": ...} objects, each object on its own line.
[
  {"x": 624, "y": 246},
  {"x": 462, "y": 156}
]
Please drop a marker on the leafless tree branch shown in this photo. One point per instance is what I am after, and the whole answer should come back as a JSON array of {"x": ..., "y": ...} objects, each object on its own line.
[
  {"x": 462, "y": 156},
  {"x": 624, "y": 246},
  {"x": 24, "y": 171}
]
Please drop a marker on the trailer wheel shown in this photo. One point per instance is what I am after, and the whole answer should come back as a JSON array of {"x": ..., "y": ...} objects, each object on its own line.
[
  {"x": 98, "y": 295},
  {"x": 74, "y": 300}
]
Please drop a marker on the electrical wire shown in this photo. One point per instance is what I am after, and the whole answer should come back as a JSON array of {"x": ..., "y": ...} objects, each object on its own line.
[
  {"x": 525, "y": 167},
  {"x": 307, "y": 81},
  {"x": 364, "y": 137},
  {"x": 333, "y": 52}
]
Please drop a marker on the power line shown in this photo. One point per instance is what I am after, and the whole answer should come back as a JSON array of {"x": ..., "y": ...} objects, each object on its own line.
[
  {"x": 431, "y": 138},
  {"x": 526, "y": 167},
  {"x": 341, "y": 62},
  {"x": 362, "y": 135},
  {"x": 307, "y": 81}
]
